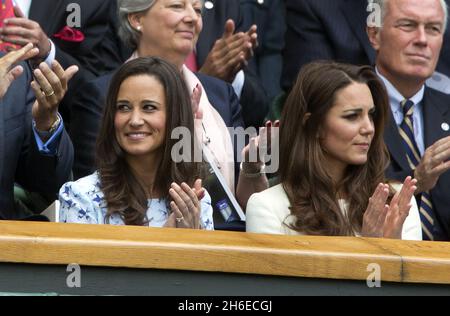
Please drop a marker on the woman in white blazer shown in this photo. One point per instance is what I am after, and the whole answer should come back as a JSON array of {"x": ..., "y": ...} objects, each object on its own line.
[{"x": 332, "y": 162}]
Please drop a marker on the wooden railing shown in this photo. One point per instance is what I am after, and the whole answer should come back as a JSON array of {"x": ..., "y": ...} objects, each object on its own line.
[{"x": 228, "y": 252}]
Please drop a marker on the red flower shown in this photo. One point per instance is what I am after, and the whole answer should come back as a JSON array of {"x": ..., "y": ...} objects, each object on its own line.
[{"x": 70, "y": 35}]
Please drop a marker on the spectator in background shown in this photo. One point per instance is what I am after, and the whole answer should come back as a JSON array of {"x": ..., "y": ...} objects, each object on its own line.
[
  {"x": 332, "y": 162},
  {"x": 35, "y": 150},
  {"x": 324, "y": 30},
  {"x": 267, "y": 62},
  {"x": 224, "y": 49},
  {"x": 335, "y": 30},
  {"x": 408, "y": 44},
  {"x": 88, "y": 44},
  {"x": 138, "y": 182}
]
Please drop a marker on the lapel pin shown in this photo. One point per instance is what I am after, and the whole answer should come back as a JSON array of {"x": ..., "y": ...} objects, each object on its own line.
[
  {"x": 209, "y": 5},
  {"x": 445, "y": 127}
]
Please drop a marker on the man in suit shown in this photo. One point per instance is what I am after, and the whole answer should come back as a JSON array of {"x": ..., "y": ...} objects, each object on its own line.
[
  {"x": 48, "y": 25},
  {"x": 267, "y": 63},
  {"x": 35, "y": 151},
  {"x": 408, "y": 43},
  {"x": 223, "y": 29},
  {"x": 91, "y": 43},
  {"x": 329, "y": 29},
  {"x": 333, "y": 30}
]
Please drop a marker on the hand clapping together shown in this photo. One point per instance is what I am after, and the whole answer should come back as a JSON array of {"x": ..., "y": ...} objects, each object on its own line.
[
  {"x": 383, "y": 220},
  {"x": 230, "y": 53},
  {"x": 185, "y": 206}
]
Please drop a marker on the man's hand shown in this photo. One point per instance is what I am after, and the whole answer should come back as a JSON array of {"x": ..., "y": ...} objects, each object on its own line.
[
  {"x": 434, "y": 163},
  {"x": 8, "y": 73},
  {"x": 21, "y": 31},
  {"x": 49, "y": 86},
  {"x": 252, "y": 37},
  {"x": 230, "y": 53}
]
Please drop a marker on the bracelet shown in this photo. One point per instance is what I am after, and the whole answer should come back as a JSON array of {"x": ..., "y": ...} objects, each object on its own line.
[
  {"x": 253, "y": 175},
  {"x": 47, "y": 134}
]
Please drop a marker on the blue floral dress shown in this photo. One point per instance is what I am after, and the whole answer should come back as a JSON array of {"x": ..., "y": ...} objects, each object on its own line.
[{"x": 83, "y": 202}]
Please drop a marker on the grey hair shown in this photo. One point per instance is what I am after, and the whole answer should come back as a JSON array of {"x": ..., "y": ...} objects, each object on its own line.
[
  {"x": 127, "y": 33},
  {"x": 382, "y": 5}
]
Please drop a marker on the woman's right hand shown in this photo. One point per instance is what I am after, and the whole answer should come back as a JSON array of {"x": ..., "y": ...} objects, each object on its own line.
[{"x": 376, "y": 212}]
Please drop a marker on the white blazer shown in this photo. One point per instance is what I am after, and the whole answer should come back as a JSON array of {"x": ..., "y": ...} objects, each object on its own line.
[{"x": 268, "y": 213}]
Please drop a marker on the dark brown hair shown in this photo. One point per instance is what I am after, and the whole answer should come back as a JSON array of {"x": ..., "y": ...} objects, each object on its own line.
[
  {"x": 124, "y": 194},
  {"x": 312, "y": 194}
]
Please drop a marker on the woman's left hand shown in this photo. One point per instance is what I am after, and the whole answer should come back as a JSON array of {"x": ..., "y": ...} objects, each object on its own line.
[
  {"x": 399, "y": 210},
  {"x": 253, "y": 155},
  {"x": 185, "y": 206}
]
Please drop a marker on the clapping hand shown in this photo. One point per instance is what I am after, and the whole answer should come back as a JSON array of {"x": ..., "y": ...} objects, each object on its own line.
[
  {"x": 185, "y": 206},
  {"x": 9, "y": 73},
  {"x": 382, "y": 220},
  {"x": 21, "y": 31},
  {"x": 260, "y": 145},
  {"x": 195, "y": 101},
  {"x": 230, "y": 53},
  {"x": 50, "y": 86},
  {"x": 435, "y": 162}
]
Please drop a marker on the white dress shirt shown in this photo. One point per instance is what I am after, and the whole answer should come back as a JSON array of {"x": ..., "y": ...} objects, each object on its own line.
[{"x": 24, "y": 5}]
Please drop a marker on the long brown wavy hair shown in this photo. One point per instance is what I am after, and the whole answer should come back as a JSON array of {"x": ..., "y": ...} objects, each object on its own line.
[
  {"x": 124, "y": 193},
  {"x": 312, "y": 194}
]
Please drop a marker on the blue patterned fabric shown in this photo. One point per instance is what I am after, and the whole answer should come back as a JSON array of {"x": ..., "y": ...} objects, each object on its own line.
[{"x": 83, "y": 202}]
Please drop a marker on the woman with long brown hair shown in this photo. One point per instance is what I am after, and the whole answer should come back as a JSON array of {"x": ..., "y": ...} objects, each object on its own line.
[
  {"x": 138, "y": 181},
  {"x": 332, "y": 162}
]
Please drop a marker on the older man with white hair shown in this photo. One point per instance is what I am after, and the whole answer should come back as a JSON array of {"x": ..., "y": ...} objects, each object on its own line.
[{"x": 408, "y": 43}]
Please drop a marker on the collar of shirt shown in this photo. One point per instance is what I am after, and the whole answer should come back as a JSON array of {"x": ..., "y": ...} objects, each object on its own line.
[
  {"x": 24, "y": 5},
  {"x": 395, "y": 99}
]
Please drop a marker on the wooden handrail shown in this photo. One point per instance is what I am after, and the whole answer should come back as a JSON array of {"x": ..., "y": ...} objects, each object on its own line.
[{"x": 228, "y": 252}]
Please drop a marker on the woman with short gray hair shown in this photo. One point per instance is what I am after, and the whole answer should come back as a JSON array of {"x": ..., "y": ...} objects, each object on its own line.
[{"x": 127, "y": 33}]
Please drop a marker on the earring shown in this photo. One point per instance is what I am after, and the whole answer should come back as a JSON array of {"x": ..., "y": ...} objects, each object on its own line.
[{"x": 139, "y": 28}]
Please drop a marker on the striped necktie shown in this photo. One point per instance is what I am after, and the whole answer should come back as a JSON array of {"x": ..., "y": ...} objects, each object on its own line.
[{"x": 413, "y": 155}]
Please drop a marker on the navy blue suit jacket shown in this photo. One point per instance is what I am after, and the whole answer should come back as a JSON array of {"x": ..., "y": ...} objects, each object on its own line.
[
  {"x": 87, "y": 111},
  {"x": 327, "y": 30},
  {"x": 20, "y": 160},
  {"x": 267, "y": 64},
  {"x": 436, "y": 107},
  {"x": 253, "y": 99}
]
